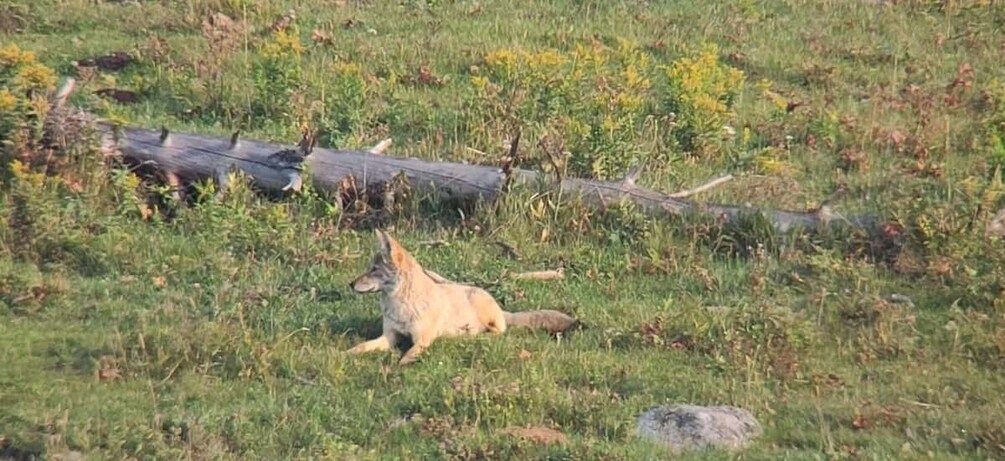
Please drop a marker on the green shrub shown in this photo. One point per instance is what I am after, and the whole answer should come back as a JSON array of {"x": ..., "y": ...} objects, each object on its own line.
[
  {"x": 277, "y": 73},
  {"x": 592, "y": 106},
  {"x": 593, "y": 101},
  {"x": 702, "y": 93},
  {"x": 24, "y": 83}
]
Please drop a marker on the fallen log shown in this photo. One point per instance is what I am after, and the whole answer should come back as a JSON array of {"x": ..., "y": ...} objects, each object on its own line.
[{"x": 275, "y": 167}]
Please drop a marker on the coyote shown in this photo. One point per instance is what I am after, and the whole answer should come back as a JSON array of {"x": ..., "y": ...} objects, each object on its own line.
[{"x": 423, "y": 305}]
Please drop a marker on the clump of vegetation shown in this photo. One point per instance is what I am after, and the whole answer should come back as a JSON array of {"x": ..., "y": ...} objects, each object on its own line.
[
  {"x": 24, "y": 85},
  {"x": 595, "y": 102},
  {"x": 345, "y": 94},
  {"x": 592, "y": 101},
  {"x": 702, "y": 92},
  {"x": 764, "y": 341},
  {"x": 277, "y": 75}
]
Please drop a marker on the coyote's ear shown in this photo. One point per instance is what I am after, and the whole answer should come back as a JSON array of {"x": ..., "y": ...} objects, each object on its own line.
[
  {"x": 392, "y": 251},
  {"x": 383, "y": 243}
]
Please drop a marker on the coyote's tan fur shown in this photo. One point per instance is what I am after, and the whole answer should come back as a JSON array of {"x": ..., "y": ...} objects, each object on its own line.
[{"x": 424, "y": 306}]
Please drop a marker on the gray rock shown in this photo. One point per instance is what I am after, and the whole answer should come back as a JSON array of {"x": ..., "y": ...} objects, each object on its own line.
[{"x": 690, "y": 427}]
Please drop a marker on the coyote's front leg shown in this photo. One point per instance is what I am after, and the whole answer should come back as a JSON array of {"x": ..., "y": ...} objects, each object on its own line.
[
  {"x": 421, "y": 343},
  {"x": 384, "y": 342}
]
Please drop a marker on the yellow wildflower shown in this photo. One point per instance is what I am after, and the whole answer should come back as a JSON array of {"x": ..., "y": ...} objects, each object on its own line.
[
  {"x": 479, "y": 82},
  {"x": 23, "y": 173},
  {"x": 12, "y": 56},
  {"x": 545, "y": 59},
  {"x": 7, "y": 100},
  {"x": 501, "y": 58},
  {"x": 35, "y": 76}
]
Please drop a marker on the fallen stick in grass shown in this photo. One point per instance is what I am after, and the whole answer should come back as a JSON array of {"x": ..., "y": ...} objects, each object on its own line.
[{"x": 556, "y": 274}]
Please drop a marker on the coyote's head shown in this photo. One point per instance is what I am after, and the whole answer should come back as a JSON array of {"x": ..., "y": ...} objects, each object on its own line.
[{"x": 390, "y": 263}]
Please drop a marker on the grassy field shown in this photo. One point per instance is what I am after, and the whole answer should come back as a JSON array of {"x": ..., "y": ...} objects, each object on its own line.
[{"x": 132, "y": 327}]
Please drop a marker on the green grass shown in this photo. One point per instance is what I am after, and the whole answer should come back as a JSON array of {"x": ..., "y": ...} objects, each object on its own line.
[{"x": 218, "y": 330}]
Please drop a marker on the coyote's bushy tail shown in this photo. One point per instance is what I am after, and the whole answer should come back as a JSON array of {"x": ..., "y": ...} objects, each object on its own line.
[{"x": 548, "y": 320}]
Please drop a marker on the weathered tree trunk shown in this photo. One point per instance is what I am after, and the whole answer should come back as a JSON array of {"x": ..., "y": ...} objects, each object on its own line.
[{"x": 276, "y": 167}]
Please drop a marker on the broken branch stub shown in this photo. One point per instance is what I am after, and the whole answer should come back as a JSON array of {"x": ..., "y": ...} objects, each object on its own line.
[
  {"x": 702, "y": 188},
  {"x": 382, "y": 146}
]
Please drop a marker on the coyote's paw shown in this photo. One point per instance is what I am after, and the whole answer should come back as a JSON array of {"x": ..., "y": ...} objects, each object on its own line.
[
  {"x": 380, "y": 344},
  {"x": 412, "y": 355}
]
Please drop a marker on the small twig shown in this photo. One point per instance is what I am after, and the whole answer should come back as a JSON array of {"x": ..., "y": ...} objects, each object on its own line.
[
  {"x": 435, "y": 243},
  {"x": 142, "y": 164},
  {"x": 557, "y": 274},
  {"x": 380, "y": 147},
  {"x": 920, "y": 404},
  {"x": 702, "y": 188},
  {"x": 511, "y": 161},
  {"x": 308, "y": 140},
  {"x": 59, "y": 100},
  {"x": 472, "y": 149},
  {"x": 631, "y": 176},
  {"x": 305, "y": 381},
  {"x": 825, "y": 212},
  {"x": 551, "y": 159},
  {"x": 170, "y": 373}
]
